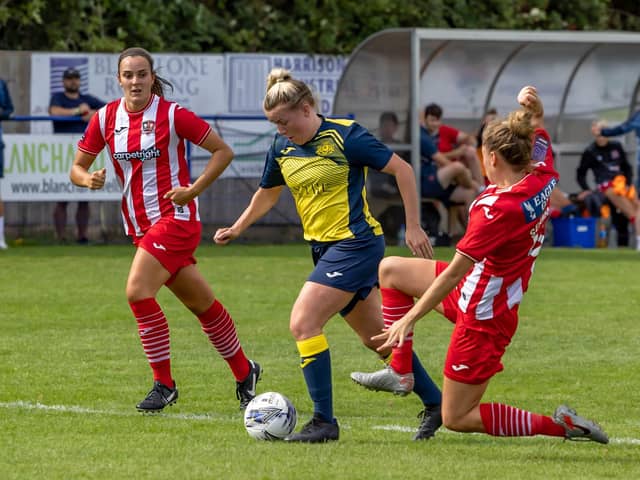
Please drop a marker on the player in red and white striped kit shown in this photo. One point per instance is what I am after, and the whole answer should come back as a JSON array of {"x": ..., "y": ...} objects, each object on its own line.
[
  {"x": 145, "y": 137},
  {"x": 481, "y": 288}
]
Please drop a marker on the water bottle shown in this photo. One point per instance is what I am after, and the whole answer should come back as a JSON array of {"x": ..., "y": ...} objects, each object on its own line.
[
  {"x": 401, "y": 235},
  {"x": 602, "y": 241}
]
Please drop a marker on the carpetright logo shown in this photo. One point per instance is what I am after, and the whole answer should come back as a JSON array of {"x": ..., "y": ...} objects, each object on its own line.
[{"x": 142, "y": 155}]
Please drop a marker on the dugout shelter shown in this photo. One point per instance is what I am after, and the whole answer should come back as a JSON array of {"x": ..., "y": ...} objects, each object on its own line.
[{"x": 581, "y": 77}]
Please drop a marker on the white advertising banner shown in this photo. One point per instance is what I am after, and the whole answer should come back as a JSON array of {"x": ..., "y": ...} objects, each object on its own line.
[
  {"x": 36, "y": 169},
  {"x": 246, "y": 76},
  {"x": 37, "y": 165},
  {"x": 198, "y": 80}
]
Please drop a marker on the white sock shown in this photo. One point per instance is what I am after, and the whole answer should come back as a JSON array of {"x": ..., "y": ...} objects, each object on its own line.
[
  {"x": 2, "y": 241},
  {"x": 637, "y": 242}
]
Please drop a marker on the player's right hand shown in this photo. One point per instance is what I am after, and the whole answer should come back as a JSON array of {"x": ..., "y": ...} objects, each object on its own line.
[
  {"x": 97, "y": 179},
  {"x": 224, "y": 235}
]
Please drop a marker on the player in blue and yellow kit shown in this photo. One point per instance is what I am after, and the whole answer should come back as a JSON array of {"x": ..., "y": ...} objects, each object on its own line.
[{"x": 324, "y": 163}]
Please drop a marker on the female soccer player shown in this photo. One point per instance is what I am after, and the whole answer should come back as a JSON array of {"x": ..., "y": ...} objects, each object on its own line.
[
  {"x": 481, "y": 288},
  {"x": 324, "y": 164},
  {"x": 145, "y": 136}
]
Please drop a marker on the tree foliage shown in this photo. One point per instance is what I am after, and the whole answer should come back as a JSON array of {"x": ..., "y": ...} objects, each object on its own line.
[{"x": 319, "y": 26}]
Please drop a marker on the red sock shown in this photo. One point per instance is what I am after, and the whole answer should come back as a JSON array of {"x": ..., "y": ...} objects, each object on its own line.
[
  {"x": 505, "y": 421},
  {"x": 394, "y": 306},
  {"x": 218, "y": 325},
  {"x": 154, "y": 335}
]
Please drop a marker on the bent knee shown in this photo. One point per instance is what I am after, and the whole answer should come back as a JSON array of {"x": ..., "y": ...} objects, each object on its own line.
[{"x": 388, "y": 270}]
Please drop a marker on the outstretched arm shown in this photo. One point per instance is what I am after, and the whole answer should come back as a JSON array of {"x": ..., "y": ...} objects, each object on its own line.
[
  {"x": 633, "y": 123},
  {"x": 416, "y": 238},
  {"x": 439, "y": 289},
  {"x": 262, "y": 201}
]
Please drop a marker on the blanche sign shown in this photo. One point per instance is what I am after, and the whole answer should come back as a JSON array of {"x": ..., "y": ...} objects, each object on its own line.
[{"x": 36, "y": 168}]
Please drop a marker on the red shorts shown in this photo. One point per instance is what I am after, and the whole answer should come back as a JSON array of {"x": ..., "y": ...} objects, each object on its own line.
[
  {"x": 474, "y": 356},
  {"x": 172, "y": 242}
]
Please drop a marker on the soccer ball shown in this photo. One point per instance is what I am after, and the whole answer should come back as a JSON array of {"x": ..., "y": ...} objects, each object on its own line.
[{"x": 270, "y": 416}]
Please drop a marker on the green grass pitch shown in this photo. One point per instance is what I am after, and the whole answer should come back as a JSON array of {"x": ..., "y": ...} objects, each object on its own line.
[{"x": 72, "y": 370}]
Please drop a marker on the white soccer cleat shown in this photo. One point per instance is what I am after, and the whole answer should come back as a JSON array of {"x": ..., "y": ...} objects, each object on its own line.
[
  {"x": 385, "y": 380},
  {"x": 577, "y": 427}
]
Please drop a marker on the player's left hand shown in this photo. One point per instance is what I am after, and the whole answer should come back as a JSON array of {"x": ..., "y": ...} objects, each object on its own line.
[
  {"x": 418, "y": 242},
  {"x": 394, "y": 335},
  {"x": 180, "y": 195}
]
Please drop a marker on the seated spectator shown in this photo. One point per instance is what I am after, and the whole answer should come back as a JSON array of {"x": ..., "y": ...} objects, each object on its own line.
[
  {"x": 607, "y": 161},
  {"x": 453, "y": 143},
  {"x": 384, "y": 196},
  {"x": 445, "y": 180},
  {"x": 489, "y": 116}
]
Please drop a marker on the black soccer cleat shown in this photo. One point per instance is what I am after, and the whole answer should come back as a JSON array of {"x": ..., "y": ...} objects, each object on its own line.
[
  {"x": 246, "y": 389},
  {"x": 316, "y": 430},
  {"x": 158, "y": 397},
  {"x": 431, "y": 421}
]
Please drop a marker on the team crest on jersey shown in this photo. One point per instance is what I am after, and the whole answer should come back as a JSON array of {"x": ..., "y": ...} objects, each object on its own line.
[
  {"x": 325, "y": 149},
  {"x": 534, "y": 206},
  {"x": 148, "y": 126}
]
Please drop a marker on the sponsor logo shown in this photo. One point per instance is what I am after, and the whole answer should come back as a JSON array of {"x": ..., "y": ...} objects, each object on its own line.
[
  {"x": 534, "y": 206},
  {"x": 457, "y": 368},
  {"x": 159, "y": 246},
  {"x": 333, "y": 274},
  {"x": 142, "y": 155},
  {"x": 118, "y": 131},
  {"x": 148, "y": 126},
  {"x": 486, "y": 213},
  {"x": 285, "y": 151}
]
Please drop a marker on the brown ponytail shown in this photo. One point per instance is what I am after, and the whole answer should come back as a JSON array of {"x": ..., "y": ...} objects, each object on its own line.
[{"x": 511, "y": 138}]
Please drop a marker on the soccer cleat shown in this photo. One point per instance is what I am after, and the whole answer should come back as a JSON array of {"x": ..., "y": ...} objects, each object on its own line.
[
  {"x": 159, "y": 397},
  {"x": 385, "y": 380},
  {"x": 431, "y": 421},
  {"x": 316, "y": 430},
  {"x": 246, "y": 389},
  {"x": 577, "y": 427}
]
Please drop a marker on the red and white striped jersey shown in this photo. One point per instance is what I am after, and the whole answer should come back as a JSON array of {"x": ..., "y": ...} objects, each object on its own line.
[
  {"x": 147, "y": 150},
  {"x": 504, "y": 236}
]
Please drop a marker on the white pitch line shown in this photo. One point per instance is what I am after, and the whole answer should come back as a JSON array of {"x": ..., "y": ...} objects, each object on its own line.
[{"x": 22, "y": 405}]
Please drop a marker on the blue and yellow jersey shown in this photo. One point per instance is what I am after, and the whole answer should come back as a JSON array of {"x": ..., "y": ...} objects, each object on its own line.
[{"x": 326, "y": 177}]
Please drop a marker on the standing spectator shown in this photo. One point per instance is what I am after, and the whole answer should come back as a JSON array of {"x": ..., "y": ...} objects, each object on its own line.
[
  {"x": 6, "y": 109},
  {"x": 72, "y": 103},
  {"x": 632, "y": 123},
  {"x": 607, "y": 160},
  {"x": 145, "y": 135}
]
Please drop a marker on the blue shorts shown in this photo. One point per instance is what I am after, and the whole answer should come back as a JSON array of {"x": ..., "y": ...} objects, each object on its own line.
[
  {"x": 350, "y": 265},
  {"x": 430, "y": 185}
]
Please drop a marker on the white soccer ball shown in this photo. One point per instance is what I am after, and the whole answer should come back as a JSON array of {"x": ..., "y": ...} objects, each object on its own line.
[{"x": 270, "y": 416}]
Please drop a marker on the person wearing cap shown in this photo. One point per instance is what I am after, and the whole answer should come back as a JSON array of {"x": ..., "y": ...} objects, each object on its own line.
[{"x": 72, "y": 103}]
